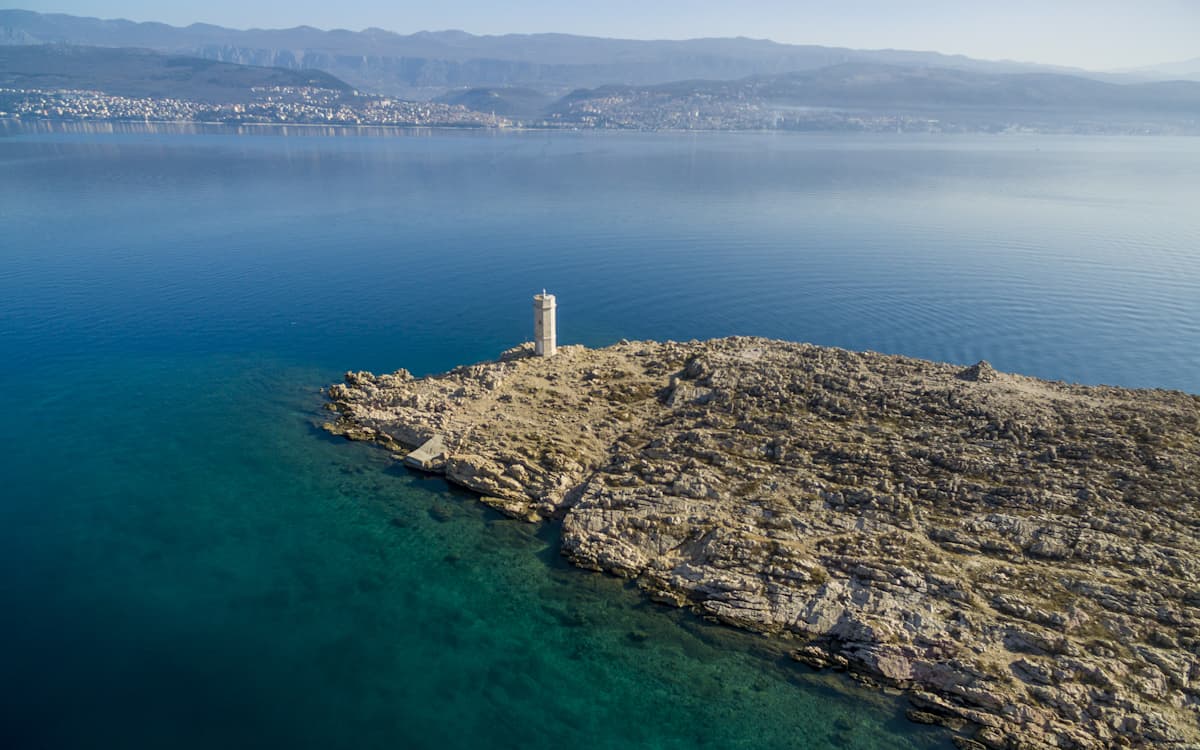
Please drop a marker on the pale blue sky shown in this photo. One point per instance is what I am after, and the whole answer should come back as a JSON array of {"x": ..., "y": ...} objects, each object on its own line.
[{"x": 1097, "y": 34}]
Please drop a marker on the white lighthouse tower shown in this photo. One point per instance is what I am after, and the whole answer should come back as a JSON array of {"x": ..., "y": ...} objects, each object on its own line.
[{"x": 545, "y": 330}]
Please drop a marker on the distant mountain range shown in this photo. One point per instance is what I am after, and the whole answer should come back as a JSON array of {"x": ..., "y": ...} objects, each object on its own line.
[
  {"x": 427, "y": 64},
  {"x": 142, "y": 73},
  {"x": 849, "y": 96},
  {"x": 567, "y": 81}
]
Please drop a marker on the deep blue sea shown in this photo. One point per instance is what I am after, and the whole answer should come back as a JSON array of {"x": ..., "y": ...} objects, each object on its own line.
[{"x": 186, "y": 561}]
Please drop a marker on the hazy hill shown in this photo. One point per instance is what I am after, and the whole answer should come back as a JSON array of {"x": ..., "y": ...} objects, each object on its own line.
[
  {"x": 506, "y": 101},
  {"x": 142, "y": 73},
  {"x": 1186, "y": 70},
  {"x": 870, "y": 87},
  {"x": 432, "y": 62},
  {"x": 866, "y": 86}
]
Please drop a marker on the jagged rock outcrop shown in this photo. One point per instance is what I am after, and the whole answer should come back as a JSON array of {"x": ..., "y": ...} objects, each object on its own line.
[{"x": 1021, "y": 555}]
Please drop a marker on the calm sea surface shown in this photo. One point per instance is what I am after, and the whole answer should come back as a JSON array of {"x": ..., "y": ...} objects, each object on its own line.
[{"x": 185, "y": 561}]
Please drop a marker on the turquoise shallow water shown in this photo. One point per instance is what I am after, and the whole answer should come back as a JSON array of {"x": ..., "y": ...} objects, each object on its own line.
[
  {"x": 186, "y": 561},
  {"x": 208, "y": 570}
]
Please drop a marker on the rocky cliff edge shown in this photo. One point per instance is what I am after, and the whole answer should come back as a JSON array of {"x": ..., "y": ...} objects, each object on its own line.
[{"x": 1021, "y": 556}]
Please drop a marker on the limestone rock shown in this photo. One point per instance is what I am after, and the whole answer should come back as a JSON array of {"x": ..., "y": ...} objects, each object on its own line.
[
  {"x": 1022, "y": 556},
  {"x": 980, "y": 372}
]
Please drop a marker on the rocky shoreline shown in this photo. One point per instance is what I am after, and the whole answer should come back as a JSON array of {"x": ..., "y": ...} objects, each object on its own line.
[{"x": 1021, "y": 556}]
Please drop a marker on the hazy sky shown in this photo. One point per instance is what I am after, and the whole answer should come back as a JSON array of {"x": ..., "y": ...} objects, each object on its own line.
[{"x": 1097, "y": 34}]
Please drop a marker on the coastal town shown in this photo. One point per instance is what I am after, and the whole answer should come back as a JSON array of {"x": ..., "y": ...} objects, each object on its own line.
[
  {"x": 640, "y": 110},
  {"x": 302, "y": 105},
  {"x": 596, "y": 110},
  {"x": 316, "y": 106},
  {"x": 280, "y": 105}
]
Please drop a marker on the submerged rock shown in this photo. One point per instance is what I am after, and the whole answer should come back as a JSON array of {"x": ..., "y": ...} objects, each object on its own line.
[{"x": 1021, "y": 555}]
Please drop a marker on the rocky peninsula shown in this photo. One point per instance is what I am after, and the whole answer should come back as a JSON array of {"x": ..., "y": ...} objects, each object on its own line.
[{"x": 1021, "y": 556}]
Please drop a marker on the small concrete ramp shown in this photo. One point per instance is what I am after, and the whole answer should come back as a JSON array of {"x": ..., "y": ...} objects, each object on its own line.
[{"x": 431, "y": 456}]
